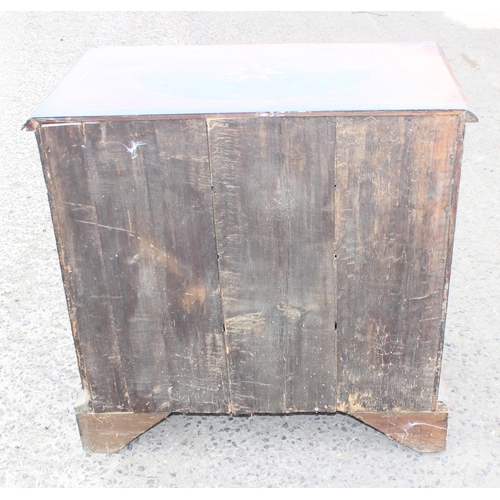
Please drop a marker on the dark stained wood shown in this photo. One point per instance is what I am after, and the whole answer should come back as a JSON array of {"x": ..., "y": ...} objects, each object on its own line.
[
  {"x": 33, "y": 123},
  {"x": 133, "y": 212},
  {"x": 332, "y": 244},
  {"x": 274, "y": 209},
  {"x": 256, "y": 229},
  {"x": 82, "y": 265},
  {"x": 455, "y": 182},
  {"x": 423, "y": 431},
  {"x": 395, "y": 204},
  {"x": 110, "y": 432}
]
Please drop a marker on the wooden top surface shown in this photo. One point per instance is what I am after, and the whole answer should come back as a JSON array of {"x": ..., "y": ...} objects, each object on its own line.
[{"x": 196, "y": 79}]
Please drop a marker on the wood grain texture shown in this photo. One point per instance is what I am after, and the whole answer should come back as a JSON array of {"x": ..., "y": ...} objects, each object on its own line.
[
  {"x": 110, "y": 432},
  {"x": 274, "y": 209},
  {"x": 455, "y": 183},
  {"x": 422, "y": 431},
  {"x": 134, "y": 199},
  {"x": 395, "y": 204},
  {"x": 82, "y": 265},
  {"x": 257, "y": 265}
]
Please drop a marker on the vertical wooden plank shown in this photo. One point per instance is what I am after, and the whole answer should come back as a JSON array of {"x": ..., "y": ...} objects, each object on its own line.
[
  {"x": 274, "y": 209},
  {"x": 455, "y": 183},
  {"x": 82, "y": 265},
  {"x": 308, "y": 148},
  {"x": 394, "y": 200},
  {"x": 149, "y": 193}
]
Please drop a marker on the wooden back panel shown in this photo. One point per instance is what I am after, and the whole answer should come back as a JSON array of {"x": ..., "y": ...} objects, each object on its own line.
[
  {"x": 132, "y": 210},
  {"x": 257, "y": 264}
]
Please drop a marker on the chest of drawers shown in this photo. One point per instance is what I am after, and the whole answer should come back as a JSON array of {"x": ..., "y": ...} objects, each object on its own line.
[{"x": 256, "y": 229}]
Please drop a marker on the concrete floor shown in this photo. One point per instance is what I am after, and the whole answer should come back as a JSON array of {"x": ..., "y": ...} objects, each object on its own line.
[{"x": 39, "y": 380}]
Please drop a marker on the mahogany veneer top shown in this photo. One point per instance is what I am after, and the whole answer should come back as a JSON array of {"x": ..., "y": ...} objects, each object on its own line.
[{"x": 215, "y": 79}]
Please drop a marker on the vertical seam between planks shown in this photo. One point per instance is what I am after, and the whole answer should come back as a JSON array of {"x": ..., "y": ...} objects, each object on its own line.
[
  {"x": 335, "y": 265},
  {"x": 406, "y": 161},
  {"x": 458, "y": 147},
  {"x": 282, "y": 136},
  {"x": 224, "y": 337},
  {"x": 286, "y": 331}
]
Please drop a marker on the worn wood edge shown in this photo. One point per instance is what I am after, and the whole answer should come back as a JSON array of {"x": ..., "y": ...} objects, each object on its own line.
[
  {"x": 469, "y": 115},
  {"x": 110, "y": 432},
  {"x": 65, "y": 274},
  {"x": 449, "y": 253},
  {"x": 422, "y": 431},
  {"x": 30, "y": 125},
  {"x": 33, "y": 123},
  {"x": 37, "y": 121}
]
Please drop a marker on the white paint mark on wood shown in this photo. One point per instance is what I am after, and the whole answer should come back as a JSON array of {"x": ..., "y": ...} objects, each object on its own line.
[{"x": 133, "y": 148}]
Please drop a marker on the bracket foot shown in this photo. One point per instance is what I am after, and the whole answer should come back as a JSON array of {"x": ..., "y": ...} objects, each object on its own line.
[
  {"x": 110, "y": 432},
  {"x": 423, "y": 431}
]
